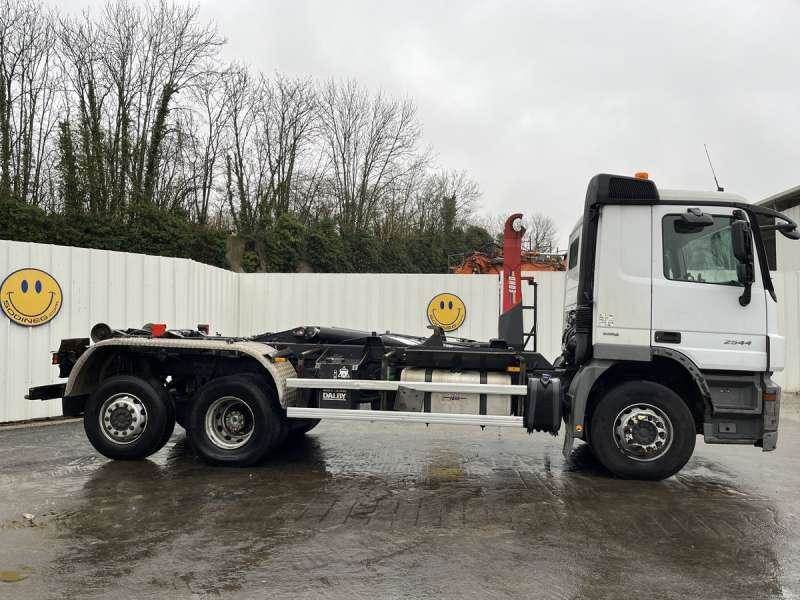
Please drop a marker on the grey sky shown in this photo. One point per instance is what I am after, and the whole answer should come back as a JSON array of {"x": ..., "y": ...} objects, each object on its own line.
[{"x": 532, "y": 98}]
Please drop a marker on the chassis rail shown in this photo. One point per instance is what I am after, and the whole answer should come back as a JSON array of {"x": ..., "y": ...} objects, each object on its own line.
[
  {"x": 393, "y": 386},
  {"x": 408, "y": 417}
]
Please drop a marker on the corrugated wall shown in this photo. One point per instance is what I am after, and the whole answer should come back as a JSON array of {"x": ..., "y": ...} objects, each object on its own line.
[
  {"x": 787, "y": 288},
  {"x": 395, "y": 302},
  {"x": 550, "y": 299},
  {"x": 788, "y": 251},
  {"x": 374, "y": 302},
  {"x": 127, "y": 290},
  {"x": 123, "y": 290}
]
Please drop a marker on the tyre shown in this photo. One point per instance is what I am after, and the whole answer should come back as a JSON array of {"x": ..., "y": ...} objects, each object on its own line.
[
  {"x": 300, "y": 427},
  {"x": 127, "y": 418},
  {"x": 235, "y": 421},
  {"x": 169, "y": 425},
  {"x": 642, "y": 430}
]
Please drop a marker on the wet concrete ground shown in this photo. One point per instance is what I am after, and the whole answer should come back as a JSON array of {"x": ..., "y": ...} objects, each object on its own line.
[{"x": 390, "y": 511}]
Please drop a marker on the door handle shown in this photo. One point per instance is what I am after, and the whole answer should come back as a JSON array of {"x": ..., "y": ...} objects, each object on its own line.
[{"x": 668, "y": 337}]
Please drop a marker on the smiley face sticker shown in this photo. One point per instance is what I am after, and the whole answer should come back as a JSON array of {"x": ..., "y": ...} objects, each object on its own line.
[
  {"x": 30, "y": 297},
  {"x": 447, "y": 311}
]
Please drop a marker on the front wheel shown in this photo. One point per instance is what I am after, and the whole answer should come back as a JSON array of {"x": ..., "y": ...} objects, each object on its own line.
[{"x": 642, "y": 430}]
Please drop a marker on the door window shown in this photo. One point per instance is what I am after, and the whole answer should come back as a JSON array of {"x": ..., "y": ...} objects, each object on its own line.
[
  {"x": 573, "y": 253},
  {"x": 699, "y": 255}
]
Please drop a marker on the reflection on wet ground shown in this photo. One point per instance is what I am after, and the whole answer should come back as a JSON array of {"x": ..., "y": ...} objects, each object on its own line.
[{"x": 377, "y": 511}]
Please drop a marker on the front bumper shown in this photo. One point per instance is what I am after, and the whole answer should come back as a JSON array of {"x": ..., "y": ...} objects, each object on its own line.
[
  {"x": 750, "y": 418},
  {"x": 770, "y": 441}
]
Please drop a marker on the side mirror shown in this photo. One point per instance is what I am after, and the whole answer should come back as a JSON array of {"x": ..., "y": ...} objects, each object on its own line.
[
  {"x": 792, "y": 234},
  {"x": 742, "y": 239}
]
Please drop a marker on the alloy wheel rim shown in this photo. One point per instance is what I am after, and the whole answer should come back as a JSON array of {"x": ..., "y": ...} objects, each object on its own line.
[
  {"x": 123, "y": 418},
  {"x": 643, "y": 432},
  {"x": 229, "y": 423}
]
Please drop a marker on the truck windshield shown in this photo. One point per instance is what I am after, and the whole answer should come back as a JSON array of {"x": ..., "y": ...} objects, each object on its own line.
[{"x": 700, "y": 256}]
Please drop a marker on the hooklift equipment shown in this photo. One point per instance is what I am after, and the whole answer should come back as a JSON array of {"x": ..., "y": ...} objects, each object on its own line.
[{"x": 670, "y": 331}]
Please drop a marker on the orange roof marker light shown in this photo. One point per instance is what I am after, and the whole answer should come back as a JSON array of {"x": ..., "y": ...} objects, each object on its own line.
[{"x": 642, "y": 175}]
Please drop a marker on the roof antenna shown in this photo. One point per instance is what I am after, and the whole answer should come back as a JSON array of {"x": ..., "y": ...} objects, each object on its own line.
[{"x": 708, "y": 156}]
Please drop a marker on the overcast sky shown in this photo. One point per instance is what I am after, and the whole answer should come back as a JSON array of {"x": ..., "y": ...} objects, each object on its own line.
[{"x": 533, "y": 98}]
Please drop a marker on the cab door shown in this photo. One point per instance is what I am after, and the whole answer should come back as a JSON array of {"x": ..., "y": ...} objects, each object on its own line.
[{"x": 695, "y": 306}]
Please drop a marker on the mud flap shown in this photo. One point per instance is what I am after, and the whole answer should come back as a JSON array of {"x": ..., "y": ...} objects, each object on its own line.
[
  {"x": 46, "y": 392},
  {"x": 569, "y": 439}
]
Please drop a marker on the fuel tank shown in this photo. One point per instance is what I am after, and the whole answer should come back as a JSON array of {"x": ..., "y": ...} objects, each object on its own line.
[{"x": 452, "y": 402}]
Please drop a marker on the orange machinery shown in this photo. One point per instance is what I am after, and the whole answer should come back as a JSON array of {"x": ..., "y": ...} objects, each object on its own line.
[{"x": 492, "y": 262}]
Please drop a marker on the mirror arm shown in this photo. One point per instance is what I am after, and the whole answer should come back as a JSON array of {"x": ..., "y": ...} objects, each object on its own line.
[
  {"x": 788, "y": 228},
  {"x": 782, "y": 227}
]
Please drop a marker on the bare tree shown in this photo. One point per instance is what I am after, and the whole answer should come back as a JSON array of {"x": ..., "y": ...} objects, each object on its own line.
[
  {"x": 79, "y": 52},
  {"x": 272, "y": 128},
  {"x": 180, "y": 48},
  {"x": 285, "y": 120},
  {"x": 205, "y": 127},
  {"x": 241, "y": 175},
  {"x": 452, "y": 194},
  {"x": 127, "y": 107},
  {"x": 123, "y": 71},
  {"x": 541, "y": 235},
  {"x": 372, "y": 144},
  {"x": 27, "y": 96}
]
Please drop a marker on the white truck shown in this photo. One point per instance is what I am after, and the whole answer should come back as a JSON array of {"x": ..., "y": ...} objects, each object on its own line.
[{"x": 670, "y": 332}]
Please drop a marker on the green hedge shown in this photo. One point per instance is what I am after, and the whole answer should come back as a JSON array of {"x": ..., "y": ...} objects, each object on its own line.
[
  {"x": 147, "y": 231},
  {"x": 286, "y": 245}
]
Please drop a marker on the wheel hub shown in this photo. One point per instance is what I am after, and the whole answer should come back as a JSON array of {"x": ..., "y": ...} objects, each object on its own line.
[
  {"x": 643, "y": 432},
  {"x": 229, "y": 423},
  {"x": 234, "y": 421},
  {"x": 123, "y": 418}
]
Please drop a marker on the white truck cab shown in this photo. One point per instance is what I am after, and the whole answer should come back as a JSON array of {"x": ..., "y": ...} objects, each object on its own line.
[
  {"x": 658, "y": 284},
  {"x": 672, "y": 287}
]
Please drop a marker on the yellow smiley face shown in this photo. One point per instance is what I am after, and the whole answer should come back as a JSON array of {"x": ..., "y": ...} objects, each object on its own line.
[
  {"x": 447, "y": 311},
  {"x": 30, "y": 297}
]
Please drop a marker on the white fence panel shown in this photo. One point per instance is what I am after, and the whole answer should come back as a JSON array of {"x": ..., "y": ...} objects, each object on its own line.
[
  {"x": 121, "y": 289},
  {"x": 127, "y": 290},
  {"x": 373, "y": 302},
  {"x": 549, "y": 314}
]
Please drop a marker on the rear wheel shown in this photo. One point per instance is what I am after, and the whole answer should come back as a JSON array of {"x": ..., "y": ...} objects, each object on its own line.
[
  {"x": 642, "y": 430},
  {"x": 235, "y": 420},
  {"x": 128, "y": 418}
]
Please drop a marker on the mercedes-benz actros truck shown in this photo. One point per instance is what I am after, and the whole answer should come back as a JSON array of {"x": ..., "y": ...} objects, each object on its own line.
[{"x": 670, "y": 333}]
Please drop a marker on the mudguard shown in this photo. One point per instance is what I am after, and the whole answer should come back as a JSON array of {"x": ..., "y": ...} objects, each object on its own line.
[{"x": 83, "y": 378}]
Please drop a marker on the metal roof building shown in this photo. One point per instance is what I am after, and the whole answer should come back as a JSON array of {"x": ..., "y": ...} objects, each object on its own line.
[{"x": 784, "y": 254}]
